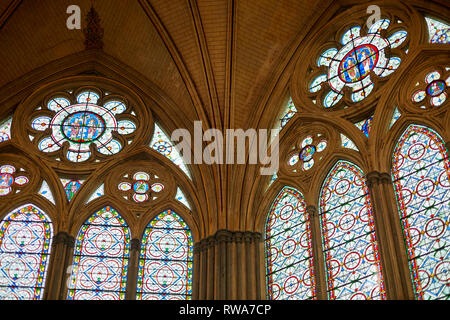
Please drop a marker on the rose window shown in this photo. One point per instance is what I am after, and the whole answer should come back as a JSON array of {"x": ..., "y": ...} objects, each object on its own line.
[
  {"x": 141, "y": 188},
  {"x": 352, "y": 64},
  {"x": 88, "y": 120},
  {"x": 10, "y": 179},
  {"x": 435, "y": 92},
  {"x": 309, "y": 148}
]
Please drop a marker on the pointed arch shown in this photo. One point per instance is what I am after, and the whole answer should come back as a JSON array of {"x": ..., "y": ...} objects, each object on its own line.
[
  {"x": 100, "y": 263},
  {"x": 421, "y": 176},
  {"x": 26, "y": 235},
  {"x": 166, "y": 259},
  {"x": 350, "y": 246},
  {"x": 288, "y": 246}
]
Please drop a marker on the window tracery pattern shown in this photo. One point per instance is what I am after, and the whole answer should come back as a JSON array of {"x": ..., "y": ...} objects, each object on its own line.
[
  {"x": 350, "y": 66},
  {"x": 164, "y": 146},
  {"x": 182, "y": 198},
  {"x": 395, "y": 116},
  {"x": 99, "y": 192},
  {"x": 346, "y": 142},
  {"x": 438, "y": 32},
  {"x": 46, "y": 192},
  {"x": 290, "y": 111},
  {"x": 435, "y": 93},
  {"x": 421, "y": 174},
  {"x": 140, "y": 187},
  {"x": 71, "y": 187},
  {"x": 365, "y": 125},
  {"x": 25, "y": 243},
  {"x": 309, "y": 149},
  {"x": 289, "y": 258},
  {"x": 349, "y": 240},
  {"x": 5, "y": 130},
  {"x": 88, "y": 118},
  {"x": 101, "y": 256},
  {"x": 166, "y": 259},
  {"x": 11, "y": 180}
]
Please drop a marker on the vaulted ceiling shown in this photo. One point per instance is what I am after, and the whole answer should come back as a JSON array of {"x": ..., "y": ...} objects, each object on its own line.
[{"x": 214, "y": 58}]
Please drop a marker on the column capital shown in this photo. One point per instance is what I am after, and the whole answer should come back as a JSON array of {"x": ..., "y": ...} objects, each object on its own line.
[
  {"x": 64, "y": 238},
  {"x": 238, "y": 237},
  {"x": 135, "y": 244},
  {"x": 376, "y": 177},
  {"x": 248, "y": 236},
  {"x": 312, "y": 210},
  {"x": 224, "y": 236},
  {"x": 227, "y": 236}
]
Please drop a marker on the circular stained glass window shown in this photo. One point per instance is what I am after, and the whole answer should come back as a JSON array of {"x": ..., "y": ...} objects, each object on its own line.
[
  {"x": 435, "y": 88},
  {"x": 6, "y": 180},
  {"x": 84, "y": 126},
  {"x": 140, "y": 187},
  {"x": 307, "y": 153},
  {"x": 83, "y": 123},
  {"x": 351, "y": 65}
]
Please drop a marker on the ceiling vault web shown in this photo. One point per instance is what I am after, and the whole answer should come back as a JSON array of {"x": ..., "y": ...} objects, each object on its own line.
[
  {"x": 176, "y": 56},
  {"x": 8, "y": 12}
]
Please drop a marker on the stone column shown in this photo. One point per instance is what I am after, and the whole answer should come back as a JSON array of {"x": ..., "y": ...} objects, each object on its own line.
[
  {"x": 393, "y": 257},
  {"x": 229, "y": 266},
  {"x": 133, "y": 267},
  {"x": 58, "y": 272},
  {"x": 196, "y": 273},
  {"x": 319, "y": 262}
]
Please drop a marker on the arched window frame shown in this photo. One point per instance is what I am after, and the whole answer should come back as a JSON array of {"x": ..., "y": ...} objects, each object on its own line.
[
  {"x": 304, "y": 287},
  {"x": 183, "y": 262},
  {"x": 375, "y": 290},
  {"x": 80, "y": 254},
  {"x": 44, "y": 223},
  {"x": 419, "y": 219}
]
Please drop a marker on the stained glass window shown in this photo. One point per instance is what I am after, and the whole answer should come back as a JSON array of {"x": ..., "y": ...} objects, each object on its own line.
[
  {"x": 310, "y": 147},
  {"x": 395, "y": 116},
  {"x": 350, "y": 247},
  {"x": 438, "y": 32},
  {"x": 100, "y": 192},
  {"x": 290, "y": 111},
  {"x": 46, "y": 192},
  {"x": 81, "y": 123},
  {"x": 100, "y": 264},
  {"x": 365, "y": 125},
  {"x": 350, "y": 66},
  {"x": 165, "y": 262},
  {"x": 421, "y": 174},
  {"x": 25, "y": 242},
  {"x": 5, "y": 130},
  {"x": 435, "y": 90},
  {"x": 289, "y": 260},
  {"x": 11, "y": 179},
  {"x": 346, "y": 142},
  {"x": 272, "y": 180},
  {"x": 71, "y": 187},
  {"x": 164, "y": 145},
  {"x": 182, "y": 198},
  {"x": 140, "y": 187}
]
